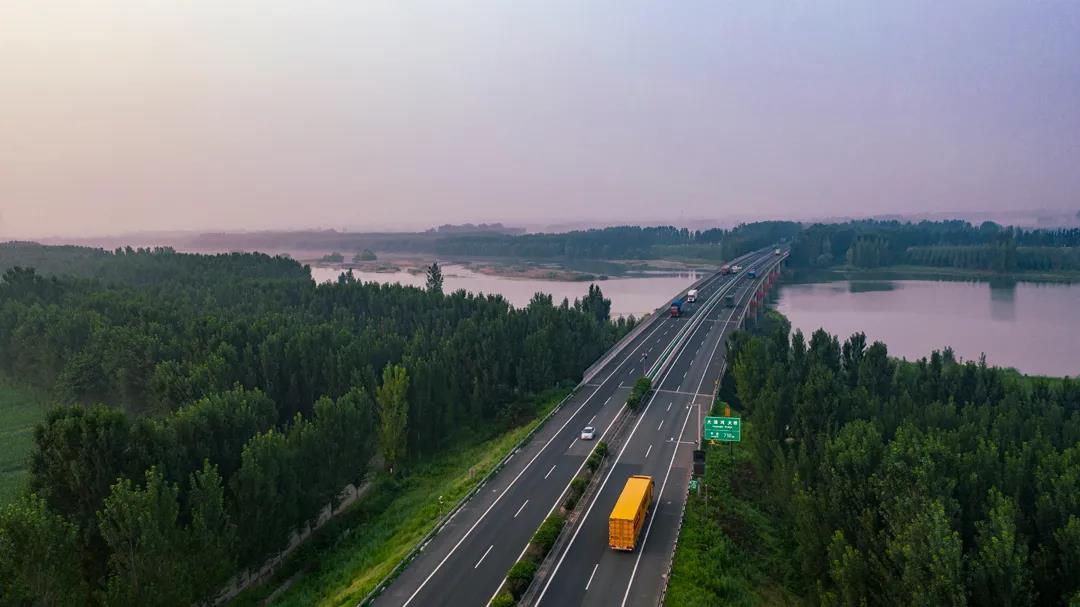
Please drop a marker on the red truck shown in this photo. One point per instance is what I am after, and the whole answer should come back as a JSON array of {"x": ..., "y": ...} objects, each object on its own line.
[{"x": 677, "y": 307}]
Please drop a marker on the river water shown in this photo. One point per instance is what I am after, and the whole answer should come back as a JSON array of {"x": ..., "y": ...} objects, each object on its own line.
[
  {"x": 634, "y": 295},
  {"x": 1034, "y": 327}
]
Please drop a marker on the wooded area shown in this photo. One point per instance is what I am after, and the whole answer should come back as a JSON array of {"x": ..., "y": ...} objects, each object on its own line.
[
  {"x": 955, "y": 244},
  {"x": 924, "y": 483},
  {"x": 240, "y": 398}
]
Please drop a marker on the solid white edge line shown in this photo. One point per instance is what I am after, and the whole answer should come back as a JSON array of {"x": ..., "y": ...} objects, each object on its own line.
[
  {"x": 515, "y": 479},
  {"x": 675, "y": 338},
  {"x": 581, "y": 523},
  {"x": 629, "y": 438}
]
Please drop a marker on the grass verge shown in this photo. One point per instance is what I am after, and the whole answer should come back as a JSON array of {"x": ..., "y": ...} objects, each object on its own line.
[
  {"x": 730, "y": 552},
  {"x": 21, "y": 408},
  {"x": 350, "y": 555}
]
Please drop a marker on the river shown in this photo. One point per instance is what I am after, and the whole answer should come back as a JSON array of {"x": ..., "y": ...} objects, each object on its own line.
[
  {"x": 638, "y": 295},
  {"x": 1033, "y": 327}
]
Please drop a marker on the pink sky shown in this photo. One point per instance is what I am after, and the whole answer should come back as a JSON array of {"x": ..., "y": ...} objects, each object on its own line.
[{"x": 117, "y": 115}]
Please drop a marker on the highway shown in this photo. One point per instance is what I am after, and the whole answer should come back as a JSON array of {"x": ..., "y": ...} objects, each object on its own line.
[
  {"x": 660, "y": 444},
  {"x": 465, "y": 563}
]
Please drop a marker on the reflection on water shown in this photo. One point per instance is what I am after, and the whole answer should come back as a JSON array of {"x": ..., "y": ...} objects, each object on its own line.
[
  {"x": 870, "y": 286},
  {"x": 638, "y": 296},
  {"x": 1030, "y": 326},
  {"x": 1003, "y": 300}
]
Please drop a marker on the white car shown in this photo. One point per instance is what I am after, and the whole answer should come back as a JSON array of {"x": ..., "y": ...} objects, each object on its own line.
[{"x": 588, "y": 433}]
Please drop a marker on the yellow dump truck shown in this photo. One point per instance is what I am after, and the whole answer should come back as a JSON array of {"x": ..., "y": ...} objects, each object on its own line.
[{"x": 628, "y": 517}]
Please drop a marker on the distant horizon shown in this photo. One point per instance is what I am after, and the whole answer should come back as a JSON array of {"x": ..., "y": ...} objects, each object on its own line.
[
  {"x": 1062, "y": 218},
  {"x": 122, "y": 117}
]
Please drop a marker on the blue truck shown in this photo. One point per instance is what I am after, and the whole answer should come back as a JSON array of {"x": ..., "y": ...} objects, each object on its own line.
[
  {"x": 752, "y": 273},
  {"x": 677, "y": 307}
]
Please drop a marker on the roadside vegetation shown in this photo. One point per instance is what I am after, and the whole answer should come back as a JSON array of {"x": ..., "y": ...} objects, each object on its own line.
[
  {"x": 347, "y": 558},
  {"x": 872, "y": 481},
  {"x": 730, "y": 550},
  {"x": 212, "y": 405}
]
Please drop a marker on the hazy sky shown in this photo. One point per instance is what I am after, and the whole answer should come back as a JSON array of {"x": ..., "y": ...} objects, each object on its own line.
[{"x": 118, "y": 115}]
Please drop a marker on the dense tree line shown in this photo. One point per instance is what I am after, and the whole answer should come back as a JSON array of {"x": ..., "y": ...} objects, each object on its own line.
[
  {"x": 619, "y": 242},
  {"x": 933, "y": 482},
  {"x": 241, "y": 398},
  {"x": 958, "y": 244}
]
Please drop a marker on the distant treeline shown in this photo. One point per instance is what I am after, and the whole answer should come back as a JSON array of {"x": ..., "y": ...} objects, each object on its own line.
[
  {"x": 240, "y": 398},
  {"x": 956, "y": 244},
  {"x": 625, "y": 242},
  {"x": 932, "y": 482}
]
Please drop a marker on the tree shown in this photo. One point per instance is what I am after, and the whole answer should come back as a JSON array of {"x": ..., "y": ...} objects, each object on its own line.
[
  {"x": 365, "y": 255},
  {"x": 39, "y": 556},
  {"x": 929, "y": 558},
  {"x": 999, "y": 571},
  {"x": 211, "y": 537},
  {"x": 139, "y": 526},
  {"x": 393, "y": 409},
  {"x": 434, "y": 278},
  {"x": 594, "y": 304}
]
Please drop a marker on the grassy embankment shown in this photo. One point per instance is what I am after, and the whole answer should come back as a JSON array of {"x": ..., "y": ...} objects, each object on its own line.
[
  {"x": 21, "y": 408},
  {"x": 730, "y": 551},
  {"x": 350, "y": 555},
  {"x": 929, "y": 273}
]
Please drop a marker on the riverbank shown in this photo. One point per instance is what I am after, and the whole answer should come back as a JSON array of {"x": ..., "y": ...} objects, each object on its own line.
[
  {"x": 583, "y": 270},
  {"x": 836, "y": 273}
]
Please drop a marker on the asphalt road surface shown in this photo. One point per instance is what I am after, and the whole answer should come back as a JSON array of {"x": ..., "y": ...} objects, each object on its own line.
[
  {"x": 465, "y": 563},
  {"x": 587, "y": 571}
]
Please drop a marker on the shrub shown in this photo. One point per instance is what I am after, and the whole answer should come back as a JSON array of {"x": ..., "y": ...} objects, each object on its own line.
[
  {"x": 548, "y": 532},
  {"x": 503, "y": 599},
  {"x": 641, "y": 389},
  {"x": 577, "y": 486},
  {"x": 601, "y": 449},
  {"x": 592, "y": 463},
  {"x": 520, "y": 576},
  {"x": 570, "y": 502}
]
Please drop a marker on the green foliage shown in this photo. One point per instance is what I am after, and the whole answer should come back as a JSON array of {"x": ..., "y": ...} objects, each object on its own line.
[
  {"x": 334, "y": 257},
  {"x": 917, "y": 483},
  {"x": 504, "y": 599},
  {"x": 434, "y": 278},
  {"x": 601, "y": 449},
  {"x": 140, "y": 527},
  {"x": 954, "y": 244},
  {"x": 519, "y": 577},
  {"x": 243, "y": 362},
  {"x": 365, "y": 255},
  {"x": 346, "y": 561},
  {"x": 393, "y": 411},
  {"x": 639, "y": 392},
  {"x": 548, "y": 532},
  {"x": 39, "y": 557}
]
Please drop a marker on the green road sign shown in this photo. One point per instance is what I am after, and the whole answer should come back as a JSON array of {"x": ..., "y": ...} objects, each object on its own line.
[
  {"x": 723, "y": 429},
  {"x": 693, "y": 484}
]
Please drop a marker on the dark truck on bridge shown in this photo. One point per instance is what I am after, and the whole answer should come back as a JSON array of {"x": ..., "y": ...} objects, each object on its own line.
[{"x": 677, "y": 307}]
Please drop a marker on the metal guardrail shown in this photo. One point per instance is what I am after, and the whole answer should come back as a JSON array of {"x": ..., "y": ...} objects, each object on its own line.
[{"x": 586, "y": 377}]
